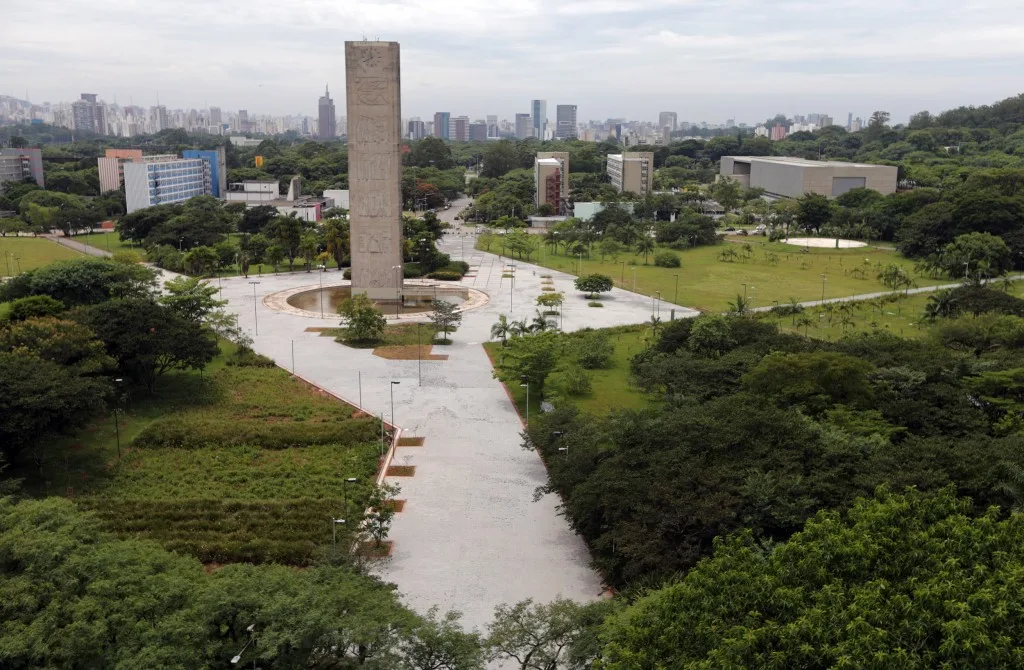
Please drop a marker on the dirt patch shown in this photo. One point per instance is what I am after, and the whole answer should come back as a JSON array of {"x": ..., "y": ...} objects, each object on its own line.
[
  {"x": 408, "y": 352},
  {"x": 396, "y": 505},
  {"x": 318, "y": 329},
  {"x": 374, "y": 550},
  {"x": 401, "y": 471},
  {"x": 410, "y": 441}
]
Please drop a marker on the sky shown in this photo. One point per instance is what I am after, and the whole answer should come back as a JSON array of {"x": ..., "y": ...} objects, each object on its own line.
[{"x": 707, "y": 60}]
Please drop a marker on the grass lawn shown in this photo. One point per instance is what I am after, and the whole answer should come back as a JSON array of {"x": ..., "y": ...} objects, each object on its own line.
[
  {"x": 772, "y": 272},
  {"x": 901, "y": 317},
  {"x": 241, "y": 464},
  {"x": 109, "y": 241},
  {"x": 395, "y": 335},
  {"x": 612, "y": 387},
  {"x": 19, "y": 254}
]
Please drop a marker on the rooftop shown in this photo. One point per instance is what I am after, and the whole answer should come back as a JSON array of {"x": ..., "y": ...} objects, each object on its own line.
[
  {"x": 549, "y": 161},
  {"x": 792, "y": 160}
]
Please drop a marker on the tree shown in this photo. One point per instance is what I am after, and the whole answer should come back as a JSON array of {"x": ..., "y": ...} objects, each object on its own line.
[
  {"x": 82, "y": 281},
  {"x": 978, "y": 255},
  {"x": 274, "y": 255},
  {"x": 609, "y": 247},
  {"x": 895, "y": 277},
  {"x": 201, "y": 261},
  {"x": 841, "y": 592},
  {"x": 710, "y": 336},
  {"x": 190, "y": 298},
  {"x": 363, "y": 321},
  {"x": 559, "y": 634},
  {"x": 814, "y": 211},
  {"x": 255, "y": 219},
  {"x": 286, "y": 232},
  {"x": 727, "y": 193},
  {"x": 202, "y": 222},
  {"x": 308, "y": 246},
  {"x": 551, "y": 300},
  {"x": 812, "y": 380},
  {"x": 148, "y": 339},
  {"x": 446, "y": 316},
  {"x": 594, "y": 285},
  {"x": 336, "y": 238},
  {"x": 66, "y": 343},
  {"x": 381, "y": 503},
  {"x": 740, "y": 306},
  {"x": 34, "y": 306},
  {"x": 501, "y": 329},
  {"x": 499, "y": 158},
  {"x": 530, "y": 358},
  {"x": 40, "y": 398},
  {"x": 439, "y": 643},
  {"x": 645, "y": 245},
  {"x": 431, "y": 152}
]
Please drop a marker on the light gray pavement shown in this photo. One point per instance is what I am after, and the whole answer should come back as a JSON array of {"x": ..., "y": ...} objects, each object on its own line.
[
  {"x": 72, "y": 243},
  {"x": 470, "y": 536}
]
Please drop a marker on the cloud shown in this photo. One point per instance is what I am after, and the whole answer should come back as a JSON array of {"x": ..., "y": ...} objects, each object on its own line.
[{"x": 707, "y": 59}]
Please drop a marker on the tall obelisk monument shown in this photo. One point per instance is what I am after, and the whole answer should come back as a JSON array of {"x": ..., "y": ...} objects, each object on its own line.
[{"x": 375, "y": 167}]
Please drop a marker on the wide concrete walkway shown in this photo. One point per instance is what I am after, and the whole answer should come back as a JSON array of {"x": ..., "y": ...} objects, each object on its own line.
[{"x": 470, "y": 536}]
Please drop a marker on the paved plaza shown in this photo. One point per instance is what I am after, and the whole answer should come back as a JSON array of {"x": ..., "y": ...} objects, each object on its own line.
[{"x": 470, "y": 536}]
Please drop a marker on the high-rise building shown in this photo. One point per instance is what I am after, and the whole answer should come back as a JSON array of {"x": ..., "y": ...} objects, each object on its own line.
[
  {"x": 849, "y": 121},
  {"x": 111, "y": 167},
  {"x": 478, "y": 132},
  {"x": 459, "y": 129},
  {"x": 218, "y": 171},
  {"x": 328, "y": 119},
  {"x": 565, "y": 122},
  {"x": 551, "y": 179},
  {"x": 524, "y": 126},
  {"x": 159, "y": 119},
  {"x": 90, "y": 115},
  {"x": 670, "y": 119},
  {"x": 215, "y": 116},
  {"x": 492, "y": 126},
  {"x": 417, "y": 129},
  {"x": 632, "y": 172},
  {"x": 539, "y": 112},
  {"x": 243, "y": 120},
  {"x": 730, "y": 123},
  {"x": 442, "y": 121},
  {"x": 778, "y": 132},
  {"x": 159, "y": 182},
  {"x": 20, "y": 164}
]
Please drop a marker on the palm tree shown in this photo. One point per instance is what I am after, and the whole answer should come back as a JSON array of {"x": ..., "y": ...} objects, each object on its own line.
[
  {"x": 805, "y": 321},
  {"x": 741, "y": 306},
  {"x": 655, "y": 324},
  {"x": 645, "y": 245},
  {"x": 940, "y": 304},
  {"x": 539, "y": 323},
  {"x": 501, "y": 329},
  {"x": 518, "y": 328},
  {"x": 794, "y": 308},
  {"x": 846, "y": 320}
]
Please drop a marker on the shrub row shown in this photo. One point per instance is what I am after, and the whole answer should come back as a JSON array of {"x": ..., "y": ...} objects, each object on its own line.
[{"x": 193, "y": 431}]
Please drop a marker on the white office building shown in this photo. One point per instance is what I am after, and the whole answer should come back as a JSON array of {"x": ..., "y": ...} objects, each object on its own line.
[{"x": 163, "y": 182}]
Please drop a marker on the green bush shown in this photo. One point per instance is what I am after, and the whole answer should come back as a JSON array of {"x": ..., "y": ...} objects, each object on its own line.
[
  {"x": 412, "y": 270},
  {"x": 445, "y": 275},
  {"x": 462, "y": 267},
  {"x": 198, "y": 430},
  {"x": 666, "y": 259},
  {"x": 592, "y": 350},
  {"x": 34, "y": 306},
  {"x": 594, "y": 303},
  {"x": 347, "y": 274},
  {"x": 245, "y": 357}
]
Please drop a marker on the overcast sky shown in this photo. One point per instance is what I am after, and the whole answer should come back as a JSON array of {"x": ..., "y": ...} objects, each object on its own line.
[{"x": 706, "y": 59}]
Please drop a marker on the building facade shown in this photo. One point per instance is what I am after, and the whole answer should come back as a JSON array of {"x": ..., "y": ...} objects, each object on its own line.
[
  {"x": 785, "y": 177},
  {"x": 152, "y": 183},
  {"x": 90, "y": 115},
  {"x": 442, "y": 121},
  {"x": 23, "y": 164},
  {"x": 111, "y": 167},
  {"x": 632, "y": 172},
  {"x": 460, "y": 129},
  {"x": 539, "y": 116},
  {"x": 668, "y": 120},
  {"x": 478, "y": 132},
  {"x": 565, "y": 122},
  {"x": 328, "y": 119},
  {"x": 524, "y": 126},
  {"x": 417, "y": 130},
  {"x": 551, "y": 179},
  {"x": 492, "y": 126},
  {"x": 218, "y": 168}
]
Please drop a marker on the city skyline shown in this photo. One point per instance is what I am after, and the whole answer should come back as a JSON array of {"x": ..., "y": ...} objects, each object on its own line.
[{"x": 837, "y": 56}]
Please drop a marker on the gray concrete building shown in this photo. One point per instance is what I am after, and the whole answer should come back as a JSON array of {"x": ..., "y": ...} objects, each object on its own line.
[
  {"x": 22, "y": 164},
  {"x": 668, "y": 120},
  {"x": 786, "y": 177},
  {"x": 524, "y": 126},
  {"x": 565, "y": 122},
  {"x": 327, "y": 119},
  {"x": 375, "y": 167},
  {"x": 632, "y": 171}
]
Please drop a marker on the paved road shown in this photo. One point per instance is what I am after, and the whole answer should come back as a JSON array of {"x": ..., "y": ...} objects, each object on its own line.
[{"x": 71, "y": 243}]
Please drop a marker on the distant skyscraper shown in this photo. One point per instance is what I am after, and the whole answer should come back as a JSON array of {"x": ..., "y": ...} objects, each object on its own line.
[
  {"x": 459, "y": 129},
  {"x": 441, "y": 123},
  {"x": 670, "y": 119},
  {"x": 215, "y": 116},
  {"x": 778, "y": 132},
  {"x": 417, "y": 129},
  {"x": 243, "y": 120},
  {"x": 492, "y": 126},
  {"x": 849, "y": 121},
  {"x": 478, "y": 132},
  {"x": 730, "y": 123},
  {"x": 524, "y": 126},
  {"x": 89, "y": 115},
  {"x": 539, "y": 110},
  {"x": 328, "y": 119},
  {"x": 565, "y": 122}
]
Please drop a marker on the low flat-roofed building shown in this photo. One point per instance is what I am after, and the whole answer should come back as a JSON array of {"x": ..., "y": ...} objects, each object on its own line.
[{"x": 785, "y": 177}]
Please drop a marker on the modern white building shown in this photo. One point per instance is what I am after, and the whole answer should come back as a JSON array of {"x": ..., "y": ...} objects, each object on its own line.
[
  {"x": 253, "y": 193},
  {"x": 256, "y": 193},
  {"x": 163, "y": 182}
]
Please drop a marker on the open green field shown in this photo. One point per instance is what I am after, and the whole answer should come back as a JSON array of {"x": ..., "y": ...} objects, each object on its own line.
[
  {"x": 109, "y": 241},
  {"x": 20, "y": 254},
  {"x": 772, "y": 272},
  {"x": 240, "y": 464}
]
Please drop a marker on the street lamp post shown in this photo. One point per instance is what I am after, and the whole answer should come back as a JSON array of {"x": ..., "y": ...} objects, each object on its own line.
[
  {"x": 252, "y": 640},
  {"x": 634, "y": 279},
  {"x": 117, "y": 429},
  {"x": 400, "y": 282},
  {"x": 622, "y": 275},
  {"x": 322, "y": 268},
  {"x": 344, "y": 490},
  {"x": 659, "y": 302},
  {"x": 527, "y": 386},
  {"x": 393, "y": 384},
  {"x": 675, "y": 300},
  {"x": 180, "y": 240},
  {"x": 419, "y": 355},
  {"x": 255, "y": 314},
  {"x": 334, "y": 531},
  {"x": 744, "y": 292},
  {"x": 823, "y": 280},
  {"x": 566, "y": 450}
]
